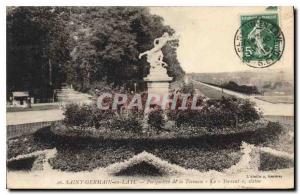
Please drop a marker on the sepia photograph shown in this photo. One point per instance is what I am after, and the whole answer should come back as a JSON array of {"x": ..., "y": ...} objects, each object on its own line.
[{"x": 135, "y": 97}]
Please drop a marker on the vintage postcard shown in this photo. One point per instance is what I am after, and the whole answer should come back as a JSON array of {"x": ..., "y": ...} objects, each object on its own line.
[{"x": 150, "y": 97}]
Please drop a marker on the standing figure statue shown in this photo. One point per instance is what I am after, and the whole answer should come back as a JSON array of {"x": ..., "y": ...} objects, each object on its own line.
[{"x": 155, "y": 55}]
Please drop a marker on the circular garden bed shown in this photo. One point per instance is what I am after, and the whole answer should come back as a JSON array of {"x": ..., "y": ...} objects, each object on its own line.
[{"x": 75, "y": 152}]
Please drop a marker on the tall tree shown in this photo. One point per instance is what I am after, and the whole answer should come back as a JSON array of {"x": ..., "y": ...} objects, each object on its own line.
[
  {"x": 110, "y": 39},
  {"x": 37, "y": 46},
  {"x": 81, "y": 46}
]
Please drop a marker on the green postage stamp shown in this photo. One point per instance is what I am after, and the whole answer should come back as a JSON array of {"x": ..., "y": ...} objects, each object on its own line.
[{"x": 259, "y": 41}]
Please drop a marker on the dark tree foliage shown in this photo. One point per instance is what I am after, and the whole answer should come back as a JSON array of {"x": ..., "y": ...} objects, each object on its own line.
[
  {"x": 107, "y": 41},
  {"x": 231, "y": 85},
  {"x": 36, "y": 43},
  {"x": 81, "y": 46}
]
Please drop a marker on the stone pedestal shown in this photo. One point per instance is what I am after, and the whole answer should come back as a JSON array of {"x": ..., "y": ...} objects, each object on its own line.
[
  {"x": 158, "y": 81},
  {"x": 158, "y": 87}
]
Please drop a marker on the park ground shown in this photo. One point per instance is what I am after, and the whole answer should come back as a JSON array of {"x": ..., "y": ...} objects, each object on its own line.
[{"x": 207, "y": 156}]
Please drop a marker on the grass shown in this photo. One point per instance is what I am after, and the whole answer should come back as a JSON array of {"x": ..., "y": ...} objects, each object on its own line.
[
  {"x": 210, "y": 92},
  {"x": 277, "y": 99},
  {"x": 33, "y": 108},
  {"x": 270, "y": 162}
]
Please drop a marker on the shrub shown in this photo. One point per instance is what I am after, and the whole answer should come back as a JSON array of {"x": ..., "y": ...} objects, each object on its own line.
[
  {"x": 91, "y": 117},
  {"x": 240, "y": 88},
  {"x": 188, "y": 89},
  {"x": 271, "y": 132},
  {"x": 248, "y": 112},
  {"x": 86, "y": 115},
  {"x": 130, "y": 121},
  {"x": 100, "y": 117},
  {"x": 217, "y": 113},
  {"x": 78, "y": 115},
  {"x": 156, "y": 119}
]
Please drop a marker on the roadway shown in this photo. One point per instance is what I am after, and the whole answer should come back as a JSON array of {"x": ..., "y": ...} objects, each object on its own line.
[
  {"x": 15, "y": 118},
  {"x": 66, "y": 96}
]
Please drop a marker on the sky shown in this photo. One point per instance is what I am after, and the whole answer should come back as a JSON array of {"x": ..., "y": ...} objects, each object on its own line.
[{"x": 207, "y": 36}]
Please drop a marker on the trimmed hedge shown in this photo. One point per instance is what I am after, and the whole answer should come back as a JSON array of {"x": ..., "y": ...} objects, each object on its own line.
[
  {"x": 206, "y": 152},
  {"x": 132, "y": 121},
  {"x": 40, "y": 140},
  {"x": 24, "y": 164},
  {"x": 262, "y": 128}
]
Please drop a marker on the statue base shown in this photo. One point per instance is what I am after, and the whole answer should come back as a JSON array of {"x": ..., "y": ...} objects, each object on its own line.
[
  {"x": 158, "y": 84},
  {"x": 160, "y": 87},
  {"x": 158, "y": 81}
]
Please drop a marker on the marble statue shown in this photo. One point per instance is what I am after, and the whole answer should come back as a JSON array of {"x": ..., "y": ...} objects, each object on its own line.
[
  {"x": 155, "y": 55},
  {"x": 158, "y": 79}
]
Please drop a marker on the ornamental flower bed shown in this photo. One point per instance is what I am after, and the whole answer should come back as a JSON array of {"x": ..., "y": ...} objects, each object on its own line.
[{"x": 214, "y": 117}]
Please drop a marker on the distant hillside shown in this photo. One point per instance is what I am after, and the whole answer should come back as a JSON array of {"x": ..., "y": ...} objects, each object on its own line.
[{"x": 279, "y": 82}]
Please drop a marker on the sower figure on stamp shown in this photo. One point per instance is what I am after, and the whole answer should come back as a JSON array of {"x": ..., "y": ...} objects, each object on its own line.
[{"x": 256, "y": 34}]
